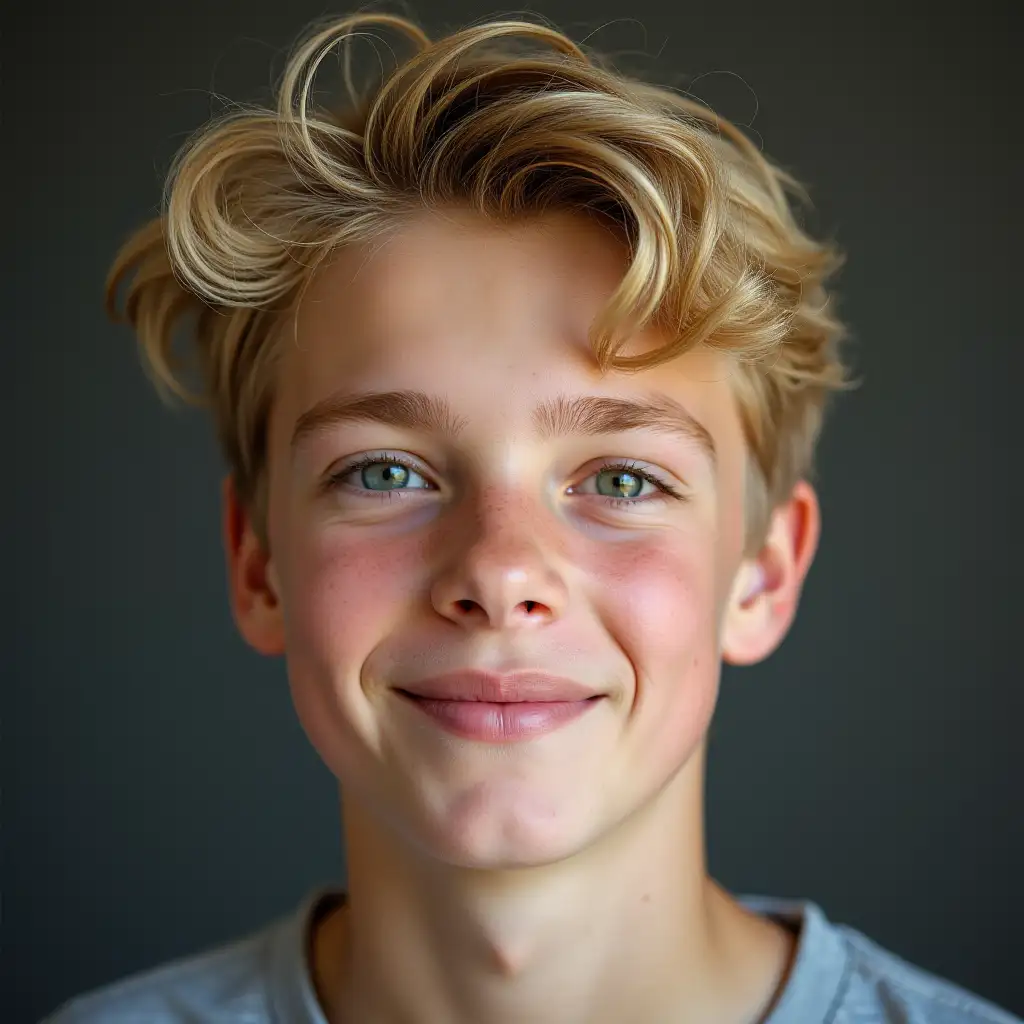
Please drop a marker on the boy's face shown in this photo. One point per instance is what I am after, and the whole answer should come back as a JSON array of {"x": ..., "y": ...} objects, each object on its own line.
[{"x": 390, "y": 575}]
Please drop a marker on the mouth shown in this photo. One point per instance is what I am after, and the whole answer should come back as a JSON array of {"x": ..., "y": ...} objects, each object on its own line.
[
  {"x": 523, "y": 687},
  {"x": 500, "y": 708},
  {"x": 500, "y": 721}
]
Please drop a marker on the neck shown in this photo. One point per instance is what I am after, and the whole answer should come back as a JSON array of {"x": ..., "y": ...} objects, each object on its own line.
[{"x": 629, "y": 929}]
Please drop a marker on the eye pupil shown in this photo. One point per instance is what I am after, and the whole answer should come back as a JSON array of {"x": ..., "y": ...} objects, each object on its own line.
[
  {"x": 628, "y": 485},
  {"x": 391, "y": 472}
]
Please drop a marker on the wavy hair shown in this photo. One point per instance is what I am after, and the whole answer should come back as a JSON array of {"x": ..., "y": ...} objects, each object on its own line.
[{"x": 512, "y": 119}]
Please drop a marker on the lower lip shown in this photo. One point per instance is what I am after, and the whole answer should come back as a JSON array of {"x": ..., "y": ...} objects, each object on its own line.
[{"x": 501, "y": 723}]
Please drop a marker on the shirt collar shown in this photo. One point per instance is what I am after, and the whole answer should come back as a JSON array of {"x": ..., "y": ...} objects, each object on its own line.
[
  {"x": 820, "y": 971},
  {"x": 812, "y": 992}
]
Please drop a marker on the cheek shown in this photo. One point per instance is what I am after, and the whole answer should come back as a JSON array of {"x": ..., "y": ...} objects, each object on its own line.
[
  {"x": 341, "y": 596},
  {"x": 658, "y": 603},
  {"x": 657, "y": 600},
  {"x": 341, "y": 600}
]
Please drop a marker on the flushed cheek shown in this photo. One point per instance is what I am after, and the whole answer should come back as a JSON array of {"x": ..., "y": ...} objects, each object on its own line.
[
  {"x": 341, "y": 601},
  {"x": 342, "y": 596},
  {"x": 658, "y": 605}
]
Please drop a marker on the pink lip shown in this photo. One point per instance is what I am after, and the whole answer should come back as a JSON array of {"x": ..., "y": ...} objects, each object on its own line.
[
  {"x": 507, "y": 688},
  {"x": 501, "y": 722},
  {"x": 500, "y": 708}
]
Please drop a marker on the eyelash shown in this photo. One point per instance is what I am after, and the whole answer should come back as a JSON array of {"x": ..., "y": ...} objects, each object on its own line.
[{"x": 666, "y": 489}]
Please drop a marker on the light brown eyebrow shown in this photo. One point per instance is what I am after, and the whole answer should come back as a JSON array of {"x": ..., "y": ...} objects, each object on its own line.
[{"x": 563, "y": 416}]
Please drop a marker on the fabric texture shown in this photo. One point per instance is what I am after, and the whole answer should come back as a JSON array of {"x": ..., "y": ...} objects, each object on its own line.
[{"x": 839, "y": 977}]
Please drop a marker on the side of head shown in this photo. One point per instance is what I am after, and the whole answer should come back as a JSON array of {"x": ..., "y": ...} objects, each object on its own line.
[{"x": 517, "y": 364}]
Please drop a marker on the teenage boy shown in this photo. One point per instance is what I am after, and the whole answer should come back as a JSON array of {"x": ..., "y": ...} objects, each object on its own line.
[{"x": 518, "y": 367}]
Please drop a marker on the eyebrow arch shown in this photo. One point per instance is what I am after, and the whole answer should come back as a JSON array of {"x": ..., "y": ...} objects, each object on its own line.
[{"x": 563, "y": 416}]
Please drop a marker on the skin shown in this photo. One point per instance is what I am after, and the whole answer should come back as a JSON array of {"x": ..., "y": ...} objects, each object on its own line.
[{"x": 563, "y": 878}]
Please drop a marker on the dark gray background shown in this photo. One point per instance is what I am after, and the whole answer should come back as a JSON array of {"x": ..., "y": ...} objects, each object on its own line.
[{"x": 159, "y": 795}]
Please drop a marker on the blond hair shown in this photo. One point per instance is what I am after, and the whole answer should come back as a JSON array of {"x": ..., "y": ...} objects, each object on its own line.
[{"x": 511, "y": 119}]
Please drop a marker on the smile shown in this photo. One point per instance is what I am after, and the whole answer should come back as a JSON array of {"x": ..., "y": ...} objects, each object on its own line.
[{"x": 504, "y": 722}]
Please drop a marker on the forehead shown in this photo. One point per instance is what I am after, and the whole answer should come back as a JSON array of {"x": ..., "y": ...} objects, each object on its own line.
[
  {"x": 442, "y": 276},
  {"x": 495, "y": 318}
]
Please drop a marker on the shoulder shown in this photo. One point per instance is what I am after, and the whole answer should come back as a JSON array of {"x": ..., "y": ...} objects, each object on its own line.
[
  {"x": 224, "y": 984},
  {"x": 840, "y": 976},
  {"x": 882, "y": 986}
]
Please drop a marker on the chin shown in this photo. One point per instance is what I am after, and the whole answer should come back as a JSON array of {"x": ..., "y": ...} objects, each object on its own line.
[
  {"x": 509, "y": 853},
  {"x": 489, "y": 830}
]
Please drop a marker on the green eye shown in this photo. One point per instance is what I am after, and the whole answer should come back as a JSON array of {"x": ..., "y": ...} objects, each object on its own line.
[
  {"x": 390, "y": 474},
  {"x": 623, "y": 483},
  {"x": 381, "y": 475}
]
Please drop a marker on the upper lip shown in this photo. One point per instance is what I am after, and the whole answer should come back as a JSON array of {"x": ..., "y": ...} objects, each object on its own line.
[{"x": 505, "y": 688}]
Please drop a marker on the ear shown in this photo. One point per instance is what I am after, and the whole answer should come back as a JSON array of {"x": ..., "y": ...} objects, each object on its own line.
[
  {"x": 252, "y": 585},
  {"x": 766, "y": 590}
]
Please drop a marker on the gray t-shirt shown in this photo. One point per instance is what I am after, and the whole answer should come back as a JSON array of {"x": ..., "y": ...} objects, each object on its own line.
[{"x": 839, "y": 977}]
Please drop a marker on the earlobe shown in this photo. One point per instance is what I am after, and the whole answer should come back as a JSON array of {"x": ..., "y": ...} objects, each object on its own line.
[
  {"x": 252, "y": 580},
  {"x": 767, "y": 589}
]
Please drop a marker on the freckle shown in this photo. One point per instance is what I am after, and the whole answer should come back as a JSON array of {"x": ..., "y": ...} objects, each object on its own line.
[{"x": 646, "y": 898}]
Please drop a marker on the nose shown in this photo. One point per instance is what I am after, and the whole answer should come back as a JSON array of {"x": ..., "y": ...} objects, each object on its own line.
[{"x": 501, "y": 576}]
